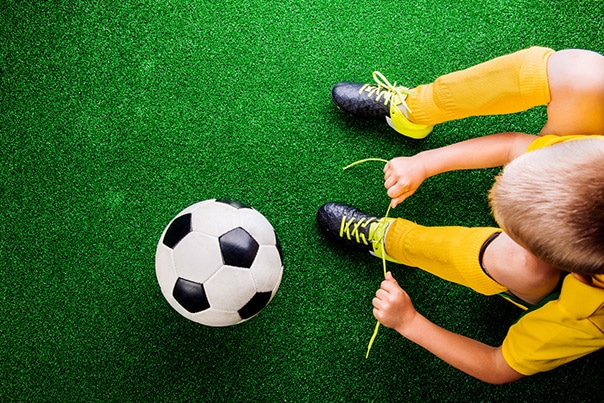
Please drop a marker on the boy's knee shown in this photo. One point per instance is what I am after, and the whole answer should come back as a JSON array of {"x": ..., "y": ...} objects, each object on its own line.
[
  {"x": 537, "y": 280},
  {"x": 519, "y": 270},
  {"x": 576, "y": 83},
  {"x": 540, "y": 273},
  {"x": 582, "y": 70}
]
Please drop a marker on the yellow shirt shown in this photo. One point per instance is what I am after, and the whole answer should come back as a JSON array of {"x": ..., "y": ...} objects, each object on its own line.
[
  {"x": 551, "y": 139},
  {"x": 560, "y": 331},
  {"x": 563, "y": 329}
]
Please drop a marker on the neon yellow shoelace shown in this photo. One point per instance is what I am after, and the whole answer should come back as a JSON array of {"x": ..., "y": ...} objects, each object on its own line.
[
  {"x": 354, "y": 232},
  {"x": 355, "y": 229},
  {"x": 386, "y": 90}
]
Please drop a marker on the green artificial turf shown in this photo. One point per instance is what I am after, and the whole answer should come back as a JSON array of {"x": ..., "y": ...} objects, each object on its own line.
[{"x": 114, "y": 116}]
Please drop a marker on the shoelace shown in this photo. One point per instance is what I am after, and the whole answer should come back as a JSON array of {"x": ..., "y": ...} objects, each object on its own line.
[
  {"x": 377, "y": 325},
  {"x": 386, "y": 90},
  {"x": 354, "y": 232}
]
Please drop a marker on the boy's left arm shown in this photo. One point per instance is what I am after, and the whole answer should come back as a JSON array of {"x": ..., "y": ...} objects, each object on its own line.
[
  {"x": 403, "y": 175},
  {"x": 393, "y": 308}
]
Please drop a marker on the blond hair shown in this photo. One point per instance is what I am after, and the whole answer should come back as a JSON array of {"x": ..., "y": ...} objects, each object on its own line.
[{"x": 551, "y": 201}]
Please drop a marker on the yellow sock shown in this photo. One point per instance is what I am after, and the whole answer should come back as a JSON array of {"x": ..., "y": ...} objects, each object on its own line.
[
  {"x": 507, "y": 84},
  {"x": 451, "y": 253}
]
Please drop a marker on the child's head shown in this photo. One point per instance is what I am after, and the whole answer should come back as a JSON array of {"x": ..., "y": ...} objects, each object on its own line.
[{"x": 551, "y": 201}]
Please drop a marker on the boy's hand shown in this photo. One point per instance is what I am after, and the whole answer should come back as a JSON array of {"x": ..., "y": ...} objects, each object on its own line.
[
  {"x": 402, "y": 177},
  {"x": 392, "y": 306}
]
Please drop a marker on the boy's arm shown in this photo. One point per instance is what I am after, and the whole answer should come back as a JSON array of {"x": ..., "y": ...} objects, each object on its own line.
[
  {"x": 481, "y": 152},
  {"x": 468, "y": 355},
  {"x": 403, "y": 175},
  {"x": 394, "y": 309}
]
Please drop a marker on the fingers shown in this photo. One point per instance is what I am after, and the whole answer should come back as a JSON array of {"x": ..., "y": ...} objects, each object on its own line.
[
  {"x": 387, "y": 299},
  {"x": 397, "y": 188},
  {"x": 398, "y": 185},
  {"x": 397, "y": 200},
  {"x": 389, "y": 181},
  {"x": 392, "y": 307},
  {"x": 389, "y": 285},
  {"x": 397, "y": 191},
  {"x": 387, "y": 288}
]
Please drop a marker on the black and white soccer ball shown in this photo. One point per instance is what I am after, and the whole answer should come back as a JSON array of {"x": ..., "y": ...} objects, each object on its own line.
[{"x": 219, "y": 262}]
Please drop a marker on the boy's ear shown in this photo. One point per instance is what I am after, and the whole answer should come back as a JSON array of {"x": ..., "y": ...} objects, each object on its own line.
[{"x": 583, "y": 278}]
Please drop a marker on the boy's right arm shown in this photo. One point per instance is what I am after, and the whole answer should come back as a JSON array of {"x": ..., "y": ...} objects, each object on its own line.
[
  {"x": 393, "y": 308},
  {"x": 403, "y": 175}
]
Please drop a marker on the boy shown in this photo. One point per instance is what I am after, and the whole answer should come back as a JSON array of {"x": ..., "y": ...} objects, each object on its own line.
[{"x": 548, "y": 201}]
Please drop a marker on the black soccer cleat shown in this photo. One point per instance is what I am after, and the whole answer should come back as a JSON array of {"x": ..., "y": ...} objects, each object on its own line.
[
  {"x": 361, "y": 100},
  {"x": 369, "y": 100},
  {"x": 351, "y": 227},
  {"x": 383, "y": 100}
]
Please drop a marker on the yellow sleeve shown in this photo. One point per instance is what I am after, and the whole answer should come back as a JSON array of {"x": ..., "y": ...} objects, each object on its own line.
[{"x": 551, "y": 139}]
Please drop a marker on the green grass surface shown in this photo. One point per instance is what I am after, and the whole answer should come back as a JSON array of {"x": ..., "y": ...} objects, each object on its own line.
[{"x": 114, "y": 116}]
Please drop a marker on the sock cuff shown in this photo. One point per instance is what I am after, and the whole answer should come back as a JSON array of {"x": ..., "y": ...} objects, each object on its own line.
[
  {"x": 534, "y": 84},
  {"x": 471, "y": 268},
  {"x": 429, "y": 104}
]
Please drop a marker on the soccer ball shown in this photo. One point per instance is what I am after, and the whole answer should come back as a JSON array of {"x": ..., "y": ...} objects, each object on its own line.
[{"x": 218, "y": 262}]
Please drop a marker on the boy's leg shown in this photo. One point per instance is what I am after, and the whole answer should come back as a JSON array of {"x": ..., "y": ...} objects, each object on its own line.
[
  {"x": 451, "y": 253},
  {"x": 506, "y": 84},
  {"x": 471, "y": 257}
]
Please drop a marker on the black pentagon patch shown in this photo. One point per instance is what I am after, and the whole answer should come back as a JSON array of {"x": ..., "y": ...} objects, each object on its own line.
[
  {"x": 190, "y": 295},
  {"x": 255, "y": 305},
  {"x": 177, "y": 230},
  {"x": 238, "y": 248},
  {"x": 278, "y": 246},
  {"x": 232, "y": 203}
]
